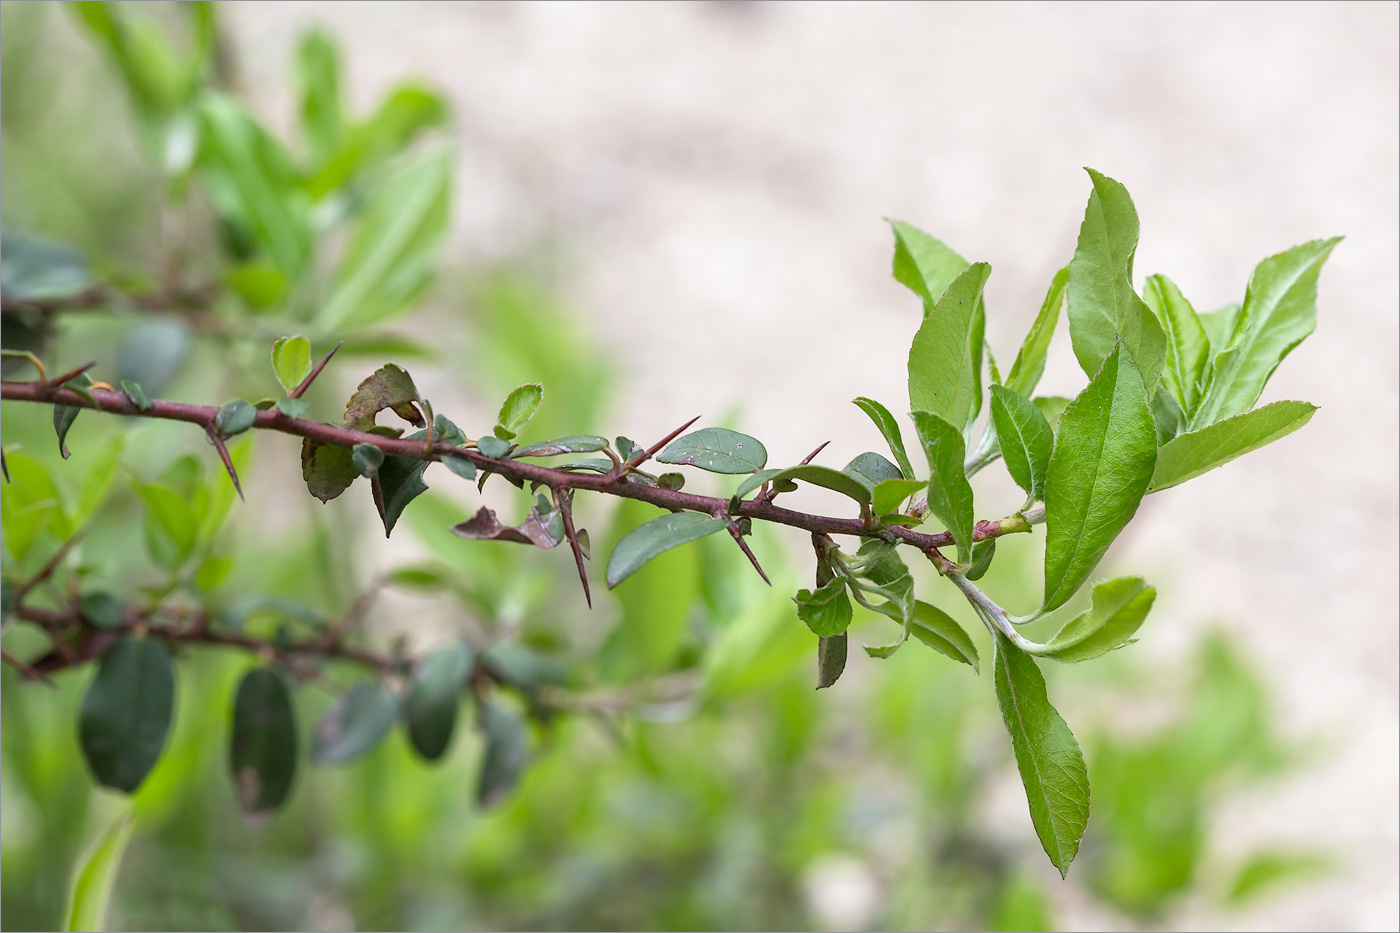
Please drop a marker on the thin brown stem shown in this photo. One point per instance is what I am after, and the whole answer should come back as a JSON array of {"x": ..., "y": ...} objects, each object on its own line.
[{"x": 564, "y": 496}]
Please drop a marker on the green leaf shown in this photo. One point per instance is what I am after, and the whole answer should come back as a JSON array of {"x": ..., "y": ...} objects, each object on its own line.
[
  {"x": 939, "y": 631},
  {"x": 387, "y": 387},
  {"x": 94, "y": 875},
  {"x": 1051, "y": 407},
  {"x": 1167, "y": 418},
  {"x": 923, "y": 264},
  {"x": 1188, "y": 347},
  {"x": 235, "y": 417},
  {"x": 949, "y": 493},
  {"x": 399, "y": 481},
  {"x": 292, "y": 407},
  {"x": 982, "y": 553},
  {"x": 405, "y": 112},
  {"x": 137, "y": 395},
  {"x": 126, "y": 712},
  {"x": 495, "y": 448},
  {"x": 30, "y": 505},
  {"x": 1051, "y": 764},
  {"x": 1219, "y": 326},
  {"x": 658, "y": 535},
  {"x": 291, "y": 360},
  {"x": 1025, "y": 438},
  {"x": 718, "y": 450},
  {"x": 672, "y": 481},
  {"x": 505, "y": 757},
  {"x": 827, "y": 611},
  {"x": 890, "y": 493},
  {"x": 171, "y": 525},
  {"x": 855, "y": 487},
  {"x": 462, "y": 466},
  {"x": 263, "y": 749},
  {"x": 1119, "y": 608},
  {"x": 367, "y": 459},
  {"x": 431, "y": 708},
  {"x": 1102, "y": 304},
  {"x": 1191, "y": 455},
  {"x": 518, "y": 408},
  {"x": 37, "y": 270},
  {"x": 64, "y": 415},
  {"x": 871, "y": 468},
  {"x": 1279, "y": 311},
  {"x": 361, "y": 716},
  {"x": 889, "y": 427},
  {"x": 1103, "y": 460},
  {"x": 831, "y": 659},
  {"x": 1264, "y": 871},
  {"x": 573, "y": 444},
  {"x": 751, "y": 483},
  {"x": 318, "y": 77},
  {"x": 1030, "y": 359},
  {"x": 328, "y": 469},
  {"x": 102, "y": 610},
  {"x": 944, "y": 358},
  {"x": 393, "y": 252}
]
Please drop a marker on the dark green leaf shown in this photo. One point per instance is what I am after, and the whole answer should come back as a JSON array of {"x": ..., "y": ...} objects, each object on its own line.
[
  {"x": 518, "y": 408},
  {"x": 751, "y": 483},
  {"x": 1102, "y": 304},
  {"x": 367, "y": 459},
  {"x": 872, "y": 469},
  {"x": 399, "y": 482},
  {"x": 827, "y": 611},
  {"x": 1119, "y": 608},
  {"x": 462, "y": 466},
  {"x": 292, "y": 407},
  {"x": 263, "y": 752},
  {"x": 1188, "y": 347},
  {"x": 387, "y": 387},
  {"x": 596, "y": 464},
  {"x": 718, "y": 450},
  {"x": 1025, "y": 438},
  {"x": 831, "y": 659},
  {"x": 982, "y": 553},
  {"x": 126, "y": 712},
  {"x": 506, "y": 754},
  {"x": 327, "y": 468},
  {"x": 235, "y": 417},
  {"x": 949, "y": 493},
  {"x": 889, "y": 428},
  {"x": 63, "y": 415},
  {"x": 1190, "y": 455},
  {"x": 1102, "y": 464},
  {"x": 495, "y": 448},
  {"x": 658, "y": 535},
  {"x": 890, "y": 493},
  {"x": 360, "y": 718},
  {"x": 291, "y": 360},
  {"x": 855, "y": 487},
  {"x": 431, "y": 708},
  {"x": 672, "y": 481},
  {"x": 924, "y": 264},
  {"x": 1051, "y": 764},
  {"x": 447, "y": 432},
  {"x": 1279, "y": 311},
  {"x": 628, "y": 448},
  {"x": 102, "y": 610},
  {"x": 137, "y": 395},
  {"x": 939, "y": 631},
  {"x": 573, "y": 444},
  {"x": 944, "y": 359},
  {"x": 1030, "y": 359}
]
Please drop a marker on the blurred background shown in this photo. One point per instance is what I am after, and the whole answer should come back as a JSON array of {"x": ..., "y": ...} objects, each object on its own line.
[{"x": 660, "y": 211}]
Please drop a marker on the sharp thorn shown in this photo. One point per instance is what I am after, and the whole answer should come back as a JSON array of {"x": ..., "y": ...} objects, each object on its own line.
[
  {"x": 311, "y": 376},
  {"x": 222, "y": 448},
  {"x": 808, "y": 458},
  {"x": 567, "y": 511}
]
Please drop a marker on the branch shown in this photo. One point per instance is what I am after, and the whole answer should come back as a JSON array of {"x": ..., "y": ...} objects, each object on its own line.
[{"x": 273, "y": 420}]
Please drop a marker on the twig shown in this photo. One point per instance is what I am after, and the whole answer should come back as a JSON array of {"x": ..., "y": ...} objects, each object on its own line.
[
  {"x": 222, "y": 448},
  {"x": 638, "y": 459},
  {"x": 28, "y": 670},
  {"x": 738, "y": 537},
  {"x": 564, "y": 496},
  {"x": 60, "y": 380}
]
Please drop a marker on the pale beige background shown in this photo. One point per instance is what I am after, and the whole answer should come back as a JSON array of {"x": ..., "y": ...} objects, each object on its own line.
[{"x": 716, "y": 177}]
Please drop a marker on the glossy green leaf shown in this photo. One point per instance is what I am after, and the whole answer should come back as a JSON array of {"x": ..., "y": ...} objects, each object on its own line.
[
  {"x": 1104, "y": 455},
  {"x": 518, "y": 408},
  {"x": 126, "y": 712},
  {"x": 923, "y": 264},
  {"x": 393, "y": 252},
  {"x": 1119, "y": 608},
  {"x": 328, "y": 469},
  {"x": 1025, "y": 438},
  {"x": 1191, "y": 455},
  {"x": 1188, "y": 347},
  {"x": 291, "y": 360},
  {"x": 573, "y": 444},
  {"x": 360, "y": 718},
  {"x": 462, "y": 466},
  {"x": 718, "y": 450},
  {"x": 235, "y": 417},
  {"x": 1102, "y": 303},
  {"x": 889, "y": 428},
  {"x": 137, "y": 395},
  {"x": 387, "y": 387},
  {"x": 367, "y": 459},
  {"x": 495, "y": 448},
  {"x": 1047, "y": 755},
  {"x": 831, "y": 659},
  {"x": 982, "y": 554},
  {"x": 1030, "y": 359},
  {"x": 433, "y": 698},
  {"x": 399, "y": 481},
  {"x": 939, "y": 631},
  {"x": 505, "y": 756},
  {"x": 263, "y": 749},
  {"x": 1279, "y": 311},
  {"x": 658, "y": 535},
  {"x": 945, "y": 356},
  {"x": 94, "y": 876},
  {"x": 890, "y": 493},
  {"x": 63, "y": 415},
  {"x": 949, "y": 493},
  {"x": 827, "y": 610},
  {"x": 871, "y": 468}
]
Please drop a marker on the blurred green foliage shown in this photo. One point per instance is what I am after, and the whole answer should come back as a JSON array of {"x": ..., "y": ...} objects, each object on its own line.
[{"x": 682, "y": 773}]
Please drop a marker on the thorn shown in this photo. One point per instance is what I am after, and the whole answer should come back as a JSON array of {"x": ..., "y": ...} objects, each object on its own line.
[
  {"x": 218, "y": 443},
  {"x": 564, "y": 497},
  {"x": 311, "y": 376},
  {"x": 4, "y": 466},
  {"x": 638, "y": 459},
  {"x": 739, "y": 540},
  {"x": 28, "y": 670},
  {"x": 58, "y": 381},
  {"x": 808, "y": 458}
]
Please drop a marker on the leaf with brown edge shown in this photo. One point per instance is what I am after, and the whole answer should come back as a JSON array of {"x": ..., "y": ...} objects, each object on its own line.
[
  {"x": 543, "y": 529},
  {"x": 388, "y": 387}
]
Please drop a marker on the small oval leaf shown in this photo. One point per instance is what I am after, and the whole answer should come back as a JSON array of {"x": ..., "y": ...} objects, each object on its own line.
[
  {"x": 573, "y": 444},
  {"x": 355, "y": 724},
  {"x": 431, "y": 707},
  {"x": 263, "y": 751},
  {"x": 518, "y": 408},
  {"x": 505, "y": 756},
  {"x": 291, "y": 360},
  {"x": 658, "y": 535},
  {"x": 718, "y": 450},
  {"x": 126, "y": 712}
]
